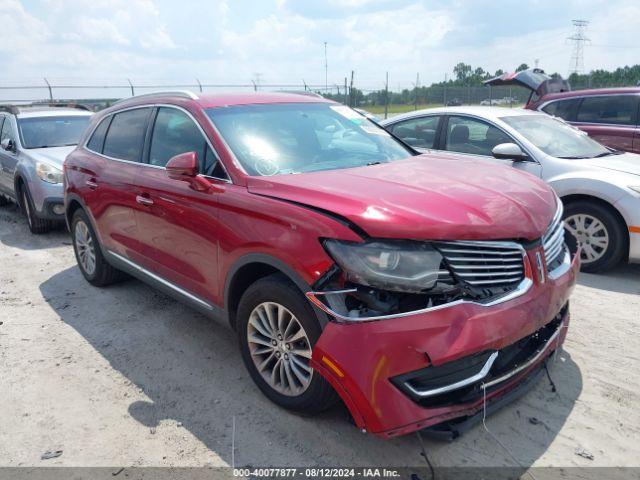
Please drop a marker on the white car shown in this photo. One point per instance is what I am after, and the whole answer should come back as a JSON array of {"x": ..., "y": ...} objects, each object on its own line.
[{"x": 600, "y": 187}]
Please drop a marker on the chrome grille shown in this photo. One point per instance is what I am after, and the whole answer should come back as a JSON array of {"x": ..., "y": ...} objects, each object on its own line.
[
  {"x": 485, "y": 264},
  {"x": 553, "y": 241}
]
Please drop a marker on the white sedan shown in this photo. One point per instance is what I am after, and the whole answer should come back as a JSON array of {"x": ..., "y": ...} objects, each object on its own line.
[{"x": 600, "y": 187}]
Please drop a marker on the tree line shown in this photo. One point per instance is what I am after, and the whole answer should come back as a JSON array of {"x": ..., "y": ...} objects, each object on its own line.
[{"x": 466, "y": 76}]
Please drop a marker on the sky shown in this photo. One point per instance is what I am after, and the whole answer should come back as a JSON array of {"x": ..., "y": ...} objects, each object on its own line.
[{"x": 282, "y": 41}]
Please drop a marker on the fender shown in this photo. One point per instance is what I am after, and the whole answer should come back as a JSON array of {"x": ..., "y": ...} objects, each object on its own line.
[{"x": 279, "y": 265}]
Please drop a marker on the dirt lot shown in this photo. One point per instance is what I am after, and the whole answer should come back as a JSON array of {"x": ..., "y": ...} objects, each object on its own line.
[{"x": 127, "y": 376}]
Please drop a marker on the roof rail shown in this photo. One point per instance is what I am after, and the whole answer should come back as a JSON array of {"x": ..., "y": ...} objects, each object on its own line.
[
  {"x": 180, "y": 93},
  {"x": 16, "y": 109},
  {"x": 79, "y": 106},
  {"x": 9, "y": 108}
]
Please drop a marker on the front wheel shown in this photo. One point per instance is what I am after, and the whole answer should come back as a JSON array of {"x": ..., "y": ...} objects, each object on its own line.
[
  {"x": 599, "y": 233},
  {"x": 277, "y": 330},
  {"x": 36, "y": 225}
]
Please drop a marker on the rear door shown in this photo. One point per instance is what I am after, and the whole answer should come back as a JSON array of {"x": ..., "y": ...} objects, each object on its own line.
[
  {"x": 179, "y": 225},
  {"x": 609, "y": 119},
  {"x": 475, "y": 138},
  {"x": 109, "y": 189}
]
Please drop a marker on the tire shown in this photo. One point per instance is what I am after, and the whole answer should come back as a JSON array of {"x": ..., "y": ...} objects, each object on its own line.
[
  {"x": 4, "y": 201},
  {"x": 317, "y": 395},
  {"x": 599, "y": 231},
  {"x": 97, "y": 272},
  {"x": 36, "y": 225}
]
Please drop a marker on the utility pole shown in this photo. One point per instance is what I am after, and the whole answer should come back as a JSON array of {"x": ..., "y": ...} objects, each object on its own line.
[
  {"x": 351, "y": 91},
  {"x": 346, "y": 92},
  {"x": 417, "y": 85},
  {"x": 386, "y": 96},
  {"x": 579, "y": 38},
  {"x": 326, "y": 75}
]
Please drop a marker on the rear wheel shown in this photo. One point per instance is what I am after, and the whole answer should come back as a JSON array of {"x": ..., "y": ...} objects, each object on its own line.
[
  {"x": 94, "y": 267},
  {"x": 277, "y": 330},
  {"x": 36, "y": 225},
  {"x": 599, "y": 233}
]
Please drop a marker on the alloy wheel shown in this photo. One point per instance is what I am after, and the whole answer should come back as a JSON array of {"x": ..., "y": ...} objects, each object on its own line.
[
  {"x": 592, "y": 236},
  {"x": 280, "y": 348},
  {"x": 85, "y": 248}
]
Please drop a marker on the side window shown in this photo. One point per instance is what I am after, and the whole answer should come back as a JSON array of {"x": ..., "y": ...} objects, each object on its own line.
[
  {"x": 7, "y": 131},
  {"x": 96, "y": 142},
  {"x": 615, "y": 109},
  {"x": 565, "y": 109},
  {"x": 417, "y": 132},
  {"x": 126, "y": 135},
  {"x": 467, "y": 135},
  {"x": 174, "y": 133}
]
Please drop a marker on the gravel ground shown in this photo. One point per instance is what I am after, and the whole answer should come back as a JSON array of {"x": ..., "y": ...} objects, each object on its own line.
[{"x": 127, "y": 376}]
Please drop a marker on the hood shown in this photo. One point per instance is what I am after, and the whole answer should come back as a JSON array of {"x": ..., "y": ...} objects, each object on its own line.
[
  {"x": 533, "y": 79},
  {"x": 428, "y": 197},
  {"x": 624, "y": 162},
  {"x": 53, "y": 155}
]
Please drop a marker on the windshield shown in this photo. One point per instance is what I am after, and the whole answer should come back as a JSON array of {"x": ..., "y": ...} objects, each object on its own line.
[
  {"x": 556, "y": 138},
  {"x": 287, "y": 138},
  {"x": 54, "y": 131}
]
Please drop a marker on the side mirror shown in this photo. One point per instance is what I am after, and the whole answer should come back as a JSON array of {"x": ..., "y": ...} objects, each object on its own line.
[
  {"x": 184, "y": 167},
  {"x": 509, "y": 151},
  {"x": 8, "y": 145}
]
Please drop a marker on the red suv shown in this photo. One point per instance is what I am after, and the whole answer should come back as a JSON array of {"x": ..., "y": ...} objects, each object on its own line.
[{"x": 406, "y": 285}]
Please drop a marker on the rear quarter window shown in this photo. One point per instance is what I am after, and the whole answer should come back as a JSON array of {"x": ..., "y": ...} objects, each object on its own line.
[
  {"x": 96, "y": 142},
  {"x": 125, "y": 136},
  {"x": 565, "y": 109}
]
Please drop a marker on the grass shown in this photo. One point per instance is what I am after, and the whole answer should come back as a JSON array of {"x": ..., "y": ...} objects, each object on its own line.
[{"x": 379, "y": 109}]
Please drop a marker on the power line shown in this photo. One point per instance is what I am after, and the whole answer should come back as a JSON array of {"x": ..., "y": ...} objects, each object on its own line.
[{"x": 579, "y": 39}]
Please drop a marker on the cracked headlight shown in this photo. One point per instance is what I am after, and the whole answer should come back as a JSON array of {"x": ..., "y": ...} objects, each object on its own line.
[
  {"x": 401, "y": 266},
  {"x": 48, "y": 173}
]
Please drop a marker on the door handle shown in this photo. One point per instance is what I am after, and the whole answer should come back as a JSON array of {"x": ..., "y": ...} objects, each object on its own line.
[
  {"x": 142, "y": 200},
  {"x": 92, "y": 184}
]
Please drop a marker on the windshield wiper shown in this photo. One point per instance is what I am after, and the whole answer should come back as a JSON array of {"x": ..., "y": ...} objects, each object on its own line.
[
  {"x": 606, "y": 154},
  {"x": 573, "y": 158}
]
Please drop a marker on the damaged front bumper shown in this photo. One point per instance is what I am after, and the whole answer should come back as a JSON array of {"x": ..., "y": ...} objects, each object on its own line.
[{"x": 436, "y": 366}]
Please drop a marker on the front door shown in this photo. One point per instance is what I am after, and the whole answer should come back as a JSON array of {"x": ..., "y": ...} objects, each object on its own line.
[
  {"x": 178, "y": 224},
  {"x": 8, "y": 158},
  {"x": 475, "y": 138}
]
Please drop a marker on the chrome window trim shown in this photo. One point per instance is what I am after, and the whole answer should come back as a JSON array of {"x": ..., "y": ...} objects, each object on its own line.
[
  {"x": 523, "y": 287},
  {"x": 161, "y": 280},
  {"x": 158, "y": 105}
]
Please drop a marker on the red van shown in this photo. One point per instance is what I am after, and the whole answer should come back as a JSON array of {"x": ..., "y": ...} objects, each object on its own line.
[
  {"x": 609, "y": 115},
  {"x": 411, "y": 287}
]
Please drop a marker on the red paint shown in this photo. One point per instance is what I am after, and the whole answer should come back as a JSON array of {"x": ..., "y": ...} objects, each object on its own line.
[{"x": 197, "y": 230}]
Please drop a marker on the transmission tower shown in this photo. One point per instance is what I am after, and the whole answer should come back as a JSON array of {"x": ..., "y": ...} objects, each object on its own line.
[{"x": 579, "y": 39}]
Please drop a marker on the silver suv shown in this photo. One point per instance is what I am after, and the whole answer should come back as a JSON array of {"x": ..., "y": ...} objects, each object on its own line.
[{"x": 34, "y": 141}]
